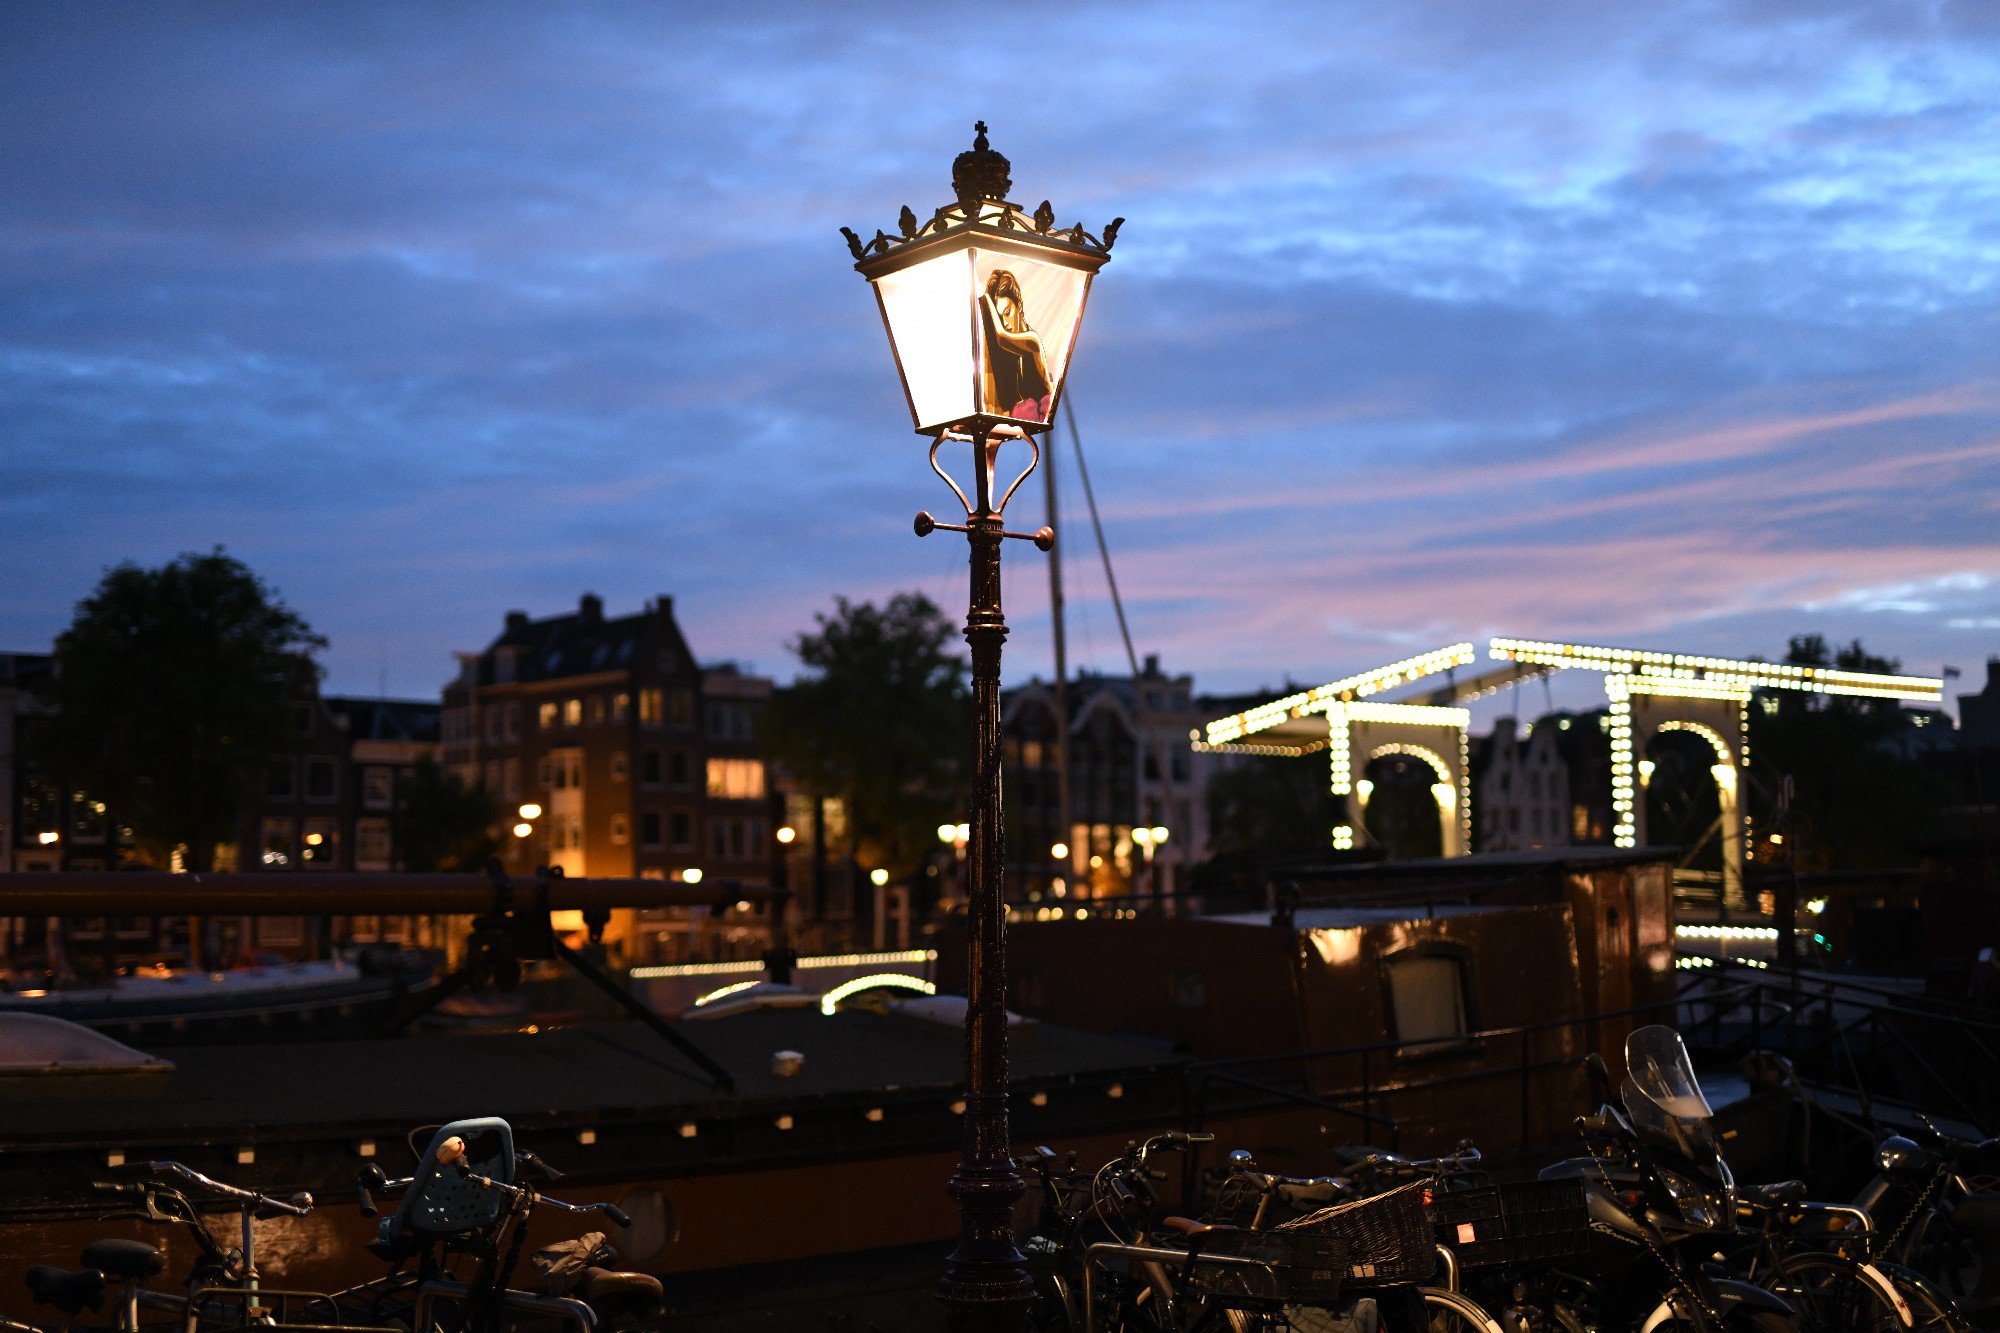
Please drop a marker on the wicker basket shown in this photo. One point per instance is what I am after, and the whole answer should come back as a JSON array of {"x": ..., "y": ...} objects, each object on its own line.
[
  {"x": 1303, "y": 1267},
  {"x": 1389, "y": 1238}
]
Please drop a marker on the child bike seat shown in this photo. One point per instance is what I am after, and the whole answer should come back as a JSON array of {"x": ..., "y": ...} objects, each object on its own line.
[{"x": 442, "y": 1199}]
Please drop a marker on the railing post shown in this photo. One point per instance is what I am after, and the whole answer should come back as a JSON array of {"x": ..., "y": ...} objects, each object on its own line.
[
  {"x": 1367, "y": 1102},
  {"x": 1527, "y": 1136}
]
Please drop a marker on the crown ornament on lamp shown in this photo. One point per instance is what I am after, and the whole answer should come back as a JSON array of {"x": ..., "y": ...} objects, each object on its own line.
[{"x": 982, "y": 302}]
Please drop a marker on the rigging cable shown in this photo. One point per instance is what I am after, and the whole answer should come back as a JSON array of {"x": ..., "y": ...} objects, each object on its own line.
[{"x": 1097, "y": 526}]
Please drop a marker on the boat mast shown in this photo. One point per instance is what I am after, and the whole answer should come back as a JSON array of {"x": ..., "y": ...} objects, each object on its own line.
[{"x": 1063, "y": 815}]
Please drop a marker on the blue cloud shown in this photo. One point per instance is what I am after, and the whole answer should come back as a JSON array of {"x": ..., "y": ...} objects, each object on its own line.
[{"x": 1674, "y": 323}]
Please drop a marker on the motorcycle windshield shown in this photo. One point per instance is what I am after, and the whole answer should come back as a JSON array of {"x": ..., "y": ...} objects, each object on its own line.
[{"x": 1663, "y": 1096}]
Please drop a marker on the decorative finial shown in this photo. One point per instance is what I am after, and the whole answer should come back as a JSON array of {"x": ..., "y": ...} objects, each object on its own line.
[{"x": 980, "y": 173}]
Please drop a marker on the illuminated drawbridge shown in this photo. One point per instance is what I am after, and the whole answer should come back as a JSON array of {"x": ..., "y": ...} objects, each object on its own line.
[{"x": 1649, "y": 693}]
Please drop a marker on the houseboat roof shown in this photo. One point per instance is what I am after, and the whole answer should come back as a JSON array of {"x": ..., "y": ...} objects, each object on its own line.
[
  {"x": 1341, "y": 917},
  {"x": 869, "y": 1083}
]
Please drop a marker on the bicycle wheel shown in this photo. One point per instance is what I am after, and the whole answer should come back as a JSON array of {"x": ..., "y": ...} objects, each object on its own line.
[
  {"x": 1451, "y": 1312},
  {"x": 1830, "y": 1294},
  {"x": 1931, "y": 1311}
]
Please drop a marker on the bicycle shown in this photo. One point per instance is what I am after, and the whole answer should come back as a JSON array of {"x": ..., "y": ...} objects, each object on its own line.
[
  {"x": 222, "y": 1287},
  {"x": 464, "y": 1205}
]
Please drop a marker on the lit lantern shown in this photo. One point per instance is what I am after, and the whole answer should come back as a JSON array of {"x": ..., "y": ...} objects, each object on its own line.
[{"x": 982, "y": 302}]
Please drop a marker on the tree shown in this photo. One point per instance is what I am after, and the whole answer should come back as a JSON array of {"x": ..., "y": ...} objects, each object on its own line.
[
  {"x": 173, "y": 689},
  {"x": 1270, "y": 804},
  {"x": 1859, "y": 799},
  {"x": 441, "y": 824},
  {"x": 882, "y": 719}
]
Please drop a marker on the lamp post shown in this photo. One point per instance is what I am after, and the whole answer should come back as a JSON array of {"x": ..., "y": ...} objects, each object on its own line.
[
  {"x": 1150, "y": 841},
  {"x": 982, "y": 302},
  {"x": 955, "y": 836}
]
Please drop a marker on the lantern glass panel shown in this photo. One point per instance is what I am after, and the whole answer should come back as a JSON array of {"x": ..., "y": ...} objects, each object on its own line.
[
  {"x": 983, "y": 331},
  {"x": 1028, "y": 316},
  {"x": 930, "y": 325}
]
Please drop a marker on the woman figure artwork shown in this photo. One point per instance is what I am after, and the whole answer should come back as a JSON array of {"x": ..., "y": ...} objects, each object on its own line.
[{"x": 1017, "y": 376}]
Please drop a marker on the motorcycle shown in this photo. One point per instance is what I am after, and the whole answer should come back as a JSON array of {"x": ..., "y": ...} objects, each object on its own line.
[{"x": 1661, "y": 1201}]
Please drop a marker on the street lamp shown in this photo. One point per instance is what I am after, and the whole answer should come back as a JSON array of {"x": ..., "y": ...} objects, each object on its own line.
[
  {"x": 1150, "y": 840},
  {"x": 982, "y": 302}
]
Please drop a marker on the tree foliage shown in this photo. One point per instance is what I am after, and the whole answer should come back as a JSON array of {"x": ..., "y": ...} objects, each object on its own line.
[
  {"x": 1270, "y": 804},
  {"x": 172, "y": 691},
  {"x": 1859, "y": 798},
  {"x": 441, "y": 824},
  {"x": 882, "y": 719}
]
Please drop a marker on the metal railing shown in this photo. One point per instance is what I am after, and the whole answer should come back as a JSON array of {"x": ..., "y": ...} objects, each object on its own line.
[{"x": 1848, "y": 1030}]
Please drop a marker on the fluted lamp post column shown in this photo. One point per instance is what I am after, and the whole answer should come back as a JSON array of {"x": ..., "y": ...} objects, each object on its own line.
[{"x": 982, "y": 301}]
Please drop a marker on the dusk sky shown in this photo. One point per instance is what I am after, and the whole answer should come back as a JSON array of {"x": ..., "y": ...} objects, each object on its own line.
[{"x": 1669, "y": 325}]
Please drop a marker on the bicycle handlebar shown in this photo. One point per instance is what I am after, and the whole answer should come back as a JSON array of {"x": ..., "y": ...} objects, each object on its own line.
[
  {"x": 297, "y": 1206},
  {"x": 372, "y": 1181}
]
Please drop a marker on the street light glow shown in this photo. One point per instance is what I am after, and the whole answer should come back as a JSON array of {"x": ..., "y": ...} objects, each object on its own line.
[
  {"x": 947, "y": 832},
  {"x": 523, "y": 830},
  {"x": 1060, "y": 851},
  {"x": 878, "y": 877},
  {"x": 692, "y": 875},
  {"x": 531, "y": 811},
  {"x": 786, "y": 834}
]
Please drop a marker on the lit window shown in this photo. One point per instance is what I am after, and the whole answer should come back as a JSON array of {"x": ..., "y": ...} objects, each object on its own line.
[
  {"x": 618, "y": 766},
  {"x": 572, "y": 712},
  {"x": 322, "y": 844},
  {"x": 621, "y": 830},
  {"x": 371, "y": 844},
  {"x": 651, "y": 708},
  {"x": 596, "y": 710},
  {"x": 277, "y": 842},
  {"x": 621, "y": 707},
  {"x": 545, "y": 716},
  {"x": 736, "y": 779}
]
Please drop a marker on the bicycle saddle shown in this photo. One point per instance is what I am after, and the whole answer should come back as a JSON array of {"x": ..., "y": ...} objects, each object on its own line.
[
  {"x": 1774, "y": 1196},
  {"x": 608, "y": 1290},
  {"x": 123, "y": 1258},
  {"x": 1189, "y": 1227},
  {"x": 72, "y": 1293}
]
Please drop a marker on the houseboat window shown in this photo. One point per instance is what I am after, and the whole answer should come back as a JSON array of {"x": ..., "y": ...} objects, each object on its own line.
[{"x": 1427, "y": 999}]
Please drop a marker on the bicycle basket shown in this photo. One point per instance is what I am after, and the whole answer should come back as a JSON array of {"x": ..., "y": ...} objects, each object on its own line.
[
  {"x": 1388, "y": 1236},
  {"x": 1525, "y": 1222},
  {"x": 1261, "y": 1280},
  {"x": 1304, "y": 1267}
]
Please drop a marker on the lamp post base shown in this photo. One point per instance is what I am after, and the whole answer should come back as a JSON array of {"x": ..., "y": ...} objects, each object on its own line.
[{"x": 986, "y": 1287}]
